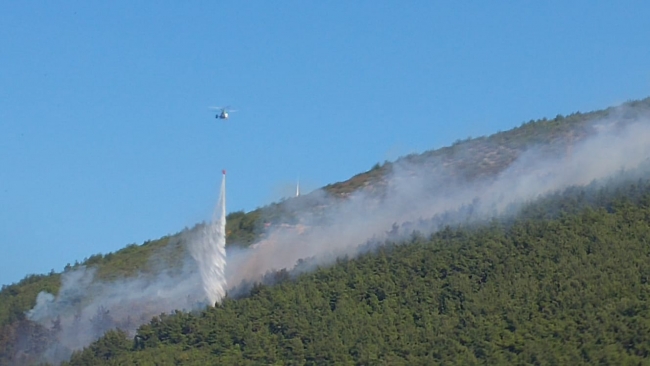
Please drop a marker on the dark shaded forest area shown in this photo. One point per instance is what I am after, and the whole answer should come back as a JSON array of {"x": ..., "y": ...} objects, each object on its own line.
[
  {"x": 562, "y": 281},
  {"x": 566, "y": 290}
]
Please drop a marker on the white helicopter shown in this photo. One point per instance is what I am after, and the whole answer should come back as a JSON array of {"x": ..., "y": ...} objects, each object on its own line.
[{"x": 223, "y": 112}]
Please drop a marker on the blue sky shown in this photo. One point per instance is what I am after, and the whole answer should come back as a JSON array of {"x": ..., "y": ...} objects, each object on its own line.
[{"x": 106, "y": 138}]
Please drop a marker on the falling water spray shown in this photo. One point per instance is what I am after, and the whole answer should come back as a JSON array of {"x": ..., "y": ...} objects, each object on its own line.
[{"x": 209, "y": 251}]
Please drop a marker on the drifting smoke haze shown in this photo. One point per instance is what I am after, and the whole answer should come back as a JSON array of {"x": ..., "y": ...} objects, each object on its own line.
[
  {"x": 85, "y": 308},
  {"x": 412, "y": 196},
  {"x": 409, "y": 198}
]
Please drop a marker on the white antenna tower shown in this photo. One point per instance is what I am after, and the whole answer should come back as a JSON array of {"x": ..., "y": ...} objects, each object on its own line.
[{"x": 298, "y": 188}]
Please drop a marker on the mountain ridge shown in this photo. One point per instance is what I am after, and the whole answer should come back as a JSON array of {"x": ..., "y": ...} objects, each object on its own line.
[{"x": 469, "y": 159}]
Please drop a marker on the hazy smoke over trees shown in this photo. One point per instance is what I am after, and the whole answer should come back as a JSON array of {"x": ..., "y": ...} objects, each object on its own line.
[
  {"x": 417, "y": 191},
  {"x": 418, "y": 194},
  {"x": 85, "y": 308}
]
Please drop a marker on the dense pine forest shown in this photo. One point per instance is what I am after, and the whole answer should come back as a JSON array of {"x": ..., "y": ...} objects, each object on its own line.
[
  {"x": 572, "y": 289},
  {"x": 563, "y": 280}
]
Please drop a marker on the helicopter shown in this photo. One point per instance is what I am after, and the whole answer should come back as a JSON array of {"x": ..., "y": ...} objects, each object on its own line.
[{"x": 223, "y": 112}]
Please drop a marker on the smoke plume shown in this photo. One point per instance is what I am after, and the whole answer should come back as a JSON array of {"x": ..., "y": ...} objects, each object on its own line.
[
  {"x": 86, "y": 307},
  {"x": 416, "y": 190}
]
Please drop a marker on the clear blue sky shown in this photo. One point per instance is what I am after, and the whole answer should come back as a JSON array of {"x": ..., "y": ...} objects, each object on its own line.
[{"x": 106, "y": 138}]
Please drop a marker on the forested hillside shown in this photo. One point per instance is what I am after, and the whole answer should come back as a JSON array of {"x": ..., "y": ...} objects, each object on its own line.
[
  {"x": 567, "y": 290},
  {"x": 562, "y": 282}
]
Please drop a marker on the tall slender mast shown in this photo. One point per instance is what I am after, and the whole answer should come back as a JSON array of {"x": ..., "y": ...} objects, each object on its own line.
[{"x": 298, "y": 188}]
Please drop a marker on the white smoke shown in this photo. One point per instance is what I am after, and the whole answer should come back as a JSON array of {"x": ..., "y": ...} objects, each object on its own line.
[
  {"x": 407, "y": 199},
  {"x": 86, "y": 307},
  {"x": 416, "y": 192}
]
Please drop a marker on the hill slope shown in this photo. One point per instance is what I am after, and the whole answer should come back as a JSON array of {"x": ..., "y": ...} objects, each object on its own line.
[
  {"x": 481, "y": 160},
  {"x": 570, "y": 290}
]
